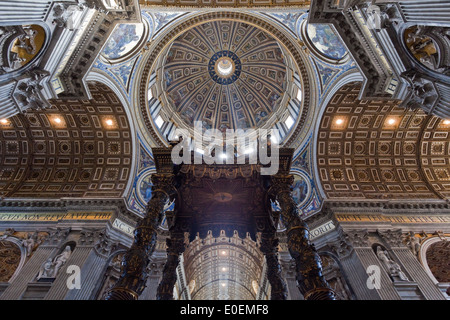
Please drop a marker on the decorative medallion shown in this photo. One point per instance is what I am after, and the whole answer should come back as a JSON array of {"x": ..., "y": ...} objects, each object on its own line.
[
  {"x": 224, "y": 67},
  {"x": 301, "y": 189}
]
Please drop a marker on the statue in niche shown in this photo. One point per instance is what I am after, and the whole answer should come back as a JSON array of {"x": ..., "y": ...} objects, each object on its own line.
[
  {"x": 51, "y": 267},
  {"x": 60, "y": 260},
  {"x": 46, "y": 270},
  {"x": 393, "y": 268},
  {"x": 30, "y": 242},
  {"x": 413, "y": 243}
]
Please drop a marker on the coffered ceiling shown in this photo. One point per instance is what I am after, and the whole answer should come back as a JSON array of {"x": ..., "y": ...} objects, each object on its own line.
[{"x": 76, "y": 148}]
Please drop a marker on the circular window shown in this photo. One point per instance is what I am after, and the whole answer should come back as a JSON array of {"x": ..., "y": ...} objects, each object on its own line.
[{"x": 225, "y": 66}]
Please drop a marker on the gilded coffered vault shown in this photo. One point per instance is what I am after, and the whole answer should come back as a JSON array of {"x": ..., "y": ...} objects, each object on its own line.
[
  {"x": 375, "y": 150},
  {"x": 95, "y": 96},
  {"x": 75, "y": 148}
]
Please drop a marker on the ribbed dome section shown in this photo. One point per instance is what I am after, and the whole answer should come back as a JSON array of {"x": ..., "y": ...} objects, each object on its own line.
[{"x": 227, "y": 74}]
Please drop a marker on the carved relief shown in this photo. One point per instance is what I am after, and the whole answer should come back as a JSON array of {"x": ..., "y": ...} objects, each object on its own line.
[
  {"x": 357, "y": 238},
  {"x": 413, "y": 242},
  {"x": 90, "y": 236},
  {"x": 393, "y": 237},
  {"x": 19, "y": 45},
  {"x": 29, "y": 240},
  {"x": 32, "y": 241},
  {"x": 28, "y": 93},
  {"x": 429, "y": 45},
  {"x": 422, "y": 93},
  {"x": 342, "y": 247},
  {"x": 56, "y": 235},
  {"x": 106, "y": 245},
  {"x": 63, "y": 15}
]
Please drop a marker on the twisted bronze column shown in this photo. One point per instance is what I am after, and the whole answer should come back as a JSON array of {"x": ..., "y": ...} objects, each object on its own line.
[
  {"x": 269, "y": 247},
  {"x": 310, "y": 280},
  {"x": 175, "y": 246},
  {"x": 134, "y": 264}
]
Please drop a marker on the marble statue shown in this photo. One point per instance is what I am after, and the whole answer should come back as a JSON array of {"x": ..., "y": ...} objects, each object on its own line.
[
  {"x": 46, "y": 270},
  {"x": 60, "y": 260},
  {"x": 393, "y": 268},
  {"x": 30, "y": 242},
  {"x": 397, "y": 273},
  {"x": 414, "y": 243},
  {"x": 51, "y": 267}
]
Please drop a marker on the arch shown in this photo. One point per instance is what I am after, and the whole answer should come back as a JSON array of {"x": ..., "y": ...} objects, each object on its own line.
[
  {"x": 353, "y": 76},
  {"x": 425, "y": 246},
  {"x": 215, "y": 261},
  {"x": 101, "y": 77}
]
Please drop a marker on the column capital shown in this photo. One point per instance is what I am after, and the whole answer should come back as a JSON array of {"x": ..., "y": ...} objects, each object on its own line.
[
  {"x": 394, "y": 238},
  {"x": 357, "y": 238}
]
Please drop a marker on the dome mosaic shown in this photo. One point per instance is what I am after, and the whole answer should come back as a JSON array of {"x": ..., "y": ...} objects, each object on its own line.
[{"x": 226, "y": 74}]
